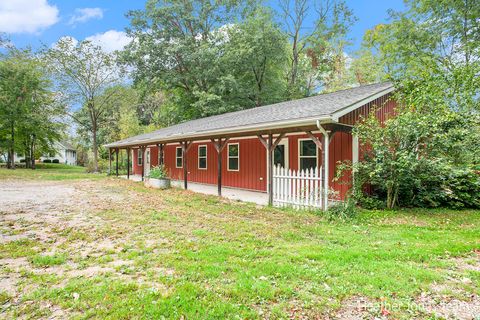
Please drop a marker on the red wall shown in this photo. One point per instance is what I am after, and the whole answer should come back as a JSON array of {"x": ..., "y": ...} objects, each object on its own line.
[
  {"x": 385, "y": 108},
  {"x": 253, "y": 164}
]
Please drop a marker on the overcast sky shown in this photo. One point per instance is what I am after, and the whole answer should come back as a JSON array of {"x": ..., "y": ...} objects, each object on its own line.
[{"x": 36, "y": 22}]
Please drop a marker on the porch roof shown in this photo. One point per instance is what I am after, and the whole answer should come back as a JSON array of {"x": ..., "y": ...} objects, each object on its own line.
[{"x": 302, "y": 112}]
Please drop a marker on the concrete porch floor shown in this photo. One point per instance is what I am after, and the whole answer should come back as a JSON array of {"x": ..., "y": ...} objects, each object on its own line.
[{"x": 260, "y": 198}]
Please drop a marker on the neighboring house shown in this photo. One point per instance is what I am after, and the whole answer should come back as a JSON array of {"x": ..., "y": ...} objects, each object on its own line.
[
  {"x": 65, "y": 153},
  {"x": 299, "y": 135}
]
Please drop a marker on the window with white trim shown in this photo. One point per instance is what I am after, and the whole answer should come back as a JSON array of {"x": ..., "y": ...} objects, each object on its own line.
[
  {"x": 139, "y": 157},
  {"x": 307, "y": 155},
  {"x": 202, "y": 157},
  {"x": 233, "y": 157},
  {"x": 178, "y": 157}
]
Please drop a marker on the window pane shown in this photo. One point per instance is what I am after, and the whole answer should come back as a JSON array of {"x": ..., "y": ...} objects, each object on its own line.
[
  {"x": 179, "y": 152},
  {"x": 308, "y": 148},
  {"x": 233, "y": 164},
  {"x": 179, "y": 162},
  {"x": 233, "y": 150},
  {"x": 279, "y": 156},
  {"x": 308, "y": 163},
  {"x": 202, "y": 151},
  {"x": 202, "y": 163}
]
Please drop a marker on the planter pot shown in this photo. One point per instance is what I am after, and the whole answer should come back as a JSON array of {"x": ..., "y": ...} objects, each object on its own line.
[{"x": 157, "y": 183}]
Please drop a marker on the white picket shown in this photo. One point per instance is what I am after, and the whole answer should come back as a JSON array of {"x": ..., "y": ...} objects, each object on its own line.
[{"x": 299, "y": 189}]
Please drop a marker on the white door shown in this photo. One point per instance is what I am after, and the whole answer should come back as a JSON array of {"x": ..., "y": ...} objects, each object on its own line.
[{"x": 147, "y": 161}]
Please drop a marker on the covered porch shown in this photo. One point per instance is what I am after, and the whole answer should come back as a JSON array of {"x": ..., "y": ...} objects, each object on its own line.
[{"x": 300, "y": 188}]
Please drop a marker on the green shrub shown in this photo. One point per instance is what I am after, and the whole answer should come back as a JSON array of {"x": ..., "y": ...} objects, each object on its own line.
[
  {"x": 159, "y": 172},
  {"x": 342, "y": 210}
]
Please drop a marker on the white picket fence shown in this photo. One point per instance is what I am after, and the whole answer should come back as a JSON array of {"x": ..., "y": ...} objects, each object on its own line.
[{"x": 298, "y": 189}]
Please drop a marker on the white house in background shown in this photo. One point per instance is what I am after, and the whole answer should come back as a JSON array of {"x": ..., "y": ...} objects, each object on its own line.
[{"x": 65, "y": 153}]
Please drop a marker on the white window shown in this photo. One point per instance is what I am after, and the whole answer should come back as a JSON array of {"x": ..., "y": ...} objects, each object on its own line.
[
  {"x": 307, "y": 154},
  {"x": 233, "y": 157},
  {"x": 178, "y": 157},
  {"x": 202, "y": 157},
  {"x": 139, "y": 157}
]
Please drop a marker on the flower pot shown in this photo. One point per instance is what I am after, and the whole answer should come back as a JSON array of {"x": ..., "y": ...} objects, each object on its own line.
[{"x": 163, "y": 183}]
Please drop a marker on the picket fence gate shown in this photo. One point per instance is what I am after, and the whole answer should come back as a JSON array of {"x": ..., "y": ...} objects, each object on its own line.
[{"x": 298, "y": 189}]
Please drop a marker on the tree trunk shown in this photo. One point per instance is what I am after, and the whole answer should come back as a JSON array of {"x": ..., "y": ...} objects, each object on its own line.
[
  {"x": 32, "y": 150},
  {"x": 95, "y": 147},
  {"x": 12, "y": 148}
]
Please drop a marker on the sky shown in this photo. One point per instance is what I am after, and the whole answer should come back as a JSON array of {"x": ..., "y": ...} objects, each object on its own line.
[{"x": 33, "y": 23}]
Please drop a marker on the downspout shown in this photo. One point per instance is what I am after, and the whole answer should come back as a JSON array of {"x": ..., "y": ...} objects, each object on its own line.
[{"x": 326, "y": 143}]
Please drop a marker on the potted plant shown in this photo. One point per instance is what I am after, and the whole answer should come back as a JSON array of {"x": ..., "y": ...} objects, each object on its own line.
[{"x": 158, "y": 178}]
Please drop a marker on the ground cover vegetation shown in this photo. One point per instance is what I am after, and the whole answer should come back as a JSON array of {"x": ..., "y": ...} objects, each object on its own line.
[{"x": 80, "y": 248}]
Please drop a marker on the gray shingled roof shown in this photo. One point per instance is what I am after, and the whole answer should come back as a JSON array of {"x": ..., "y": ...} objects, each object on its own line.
[
  {"x": 320, "y": 106},
  {"x": 67, "y": 145}
]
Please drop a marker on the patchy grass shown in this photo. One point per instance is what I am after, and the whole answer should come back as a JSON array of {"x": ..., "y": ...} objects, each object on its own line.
[
  {"x": 41, "y": 260},
  {"x": 150, "y": 254},
  {"x": 49, "y": 171}
]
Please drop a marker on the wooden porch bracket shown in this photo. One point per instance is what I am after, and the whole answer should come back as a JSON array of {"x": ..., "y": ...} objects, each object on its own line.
[
  {"x": 219, "y": 146},
  {"x": 317, "y": 141},
  {"x": 270, "y": 147},
  {"x": 185, "y": 147}
]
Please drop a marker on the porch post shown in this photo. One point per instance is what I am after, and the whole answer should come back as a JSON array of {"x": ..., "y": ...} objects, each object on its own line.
[
  {"x": 185, "y": 146},
  {"x": 128, "y": 163},
  {"x": 109, "y": 161},
  {"x": 116, "y": 162},
  {"x": 142, "y": 150},
  {"x": 270, "y": 145},
  {"x": 219, "y": 146},
  {"x": 270, "y": 169},
  {"x": 160, "y": 153},
  {"x": 326, "y": 143}
]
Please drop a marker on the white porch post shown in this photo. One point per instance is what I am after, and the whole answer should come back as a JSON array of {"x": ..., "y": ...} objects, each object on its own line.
[
  {"x": 355, "y": 152},
  {"x": 326, "y": 143}
]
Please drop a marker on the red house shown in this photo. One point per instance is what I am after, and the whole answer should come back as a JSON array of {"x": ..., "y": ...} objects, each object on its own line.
[{"x": 241, "y": 149}]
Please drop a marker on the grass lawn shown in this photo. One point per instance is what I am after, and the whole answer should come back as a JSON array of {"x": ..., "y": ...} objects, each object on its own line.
[
  {"x": 49, "y": 171},
  {"x": 114, "y": 249}
]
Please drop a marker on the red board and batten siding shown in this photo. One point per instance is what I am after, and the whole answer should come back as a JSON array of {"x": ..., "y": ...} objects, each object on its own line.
[{"x": 252, "y": 172}]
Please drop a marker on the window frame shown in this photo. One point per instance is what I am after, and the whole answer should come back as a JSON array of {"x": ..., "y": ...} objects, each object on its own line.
[
  {"x": 308, "y": 157},
  {"x": 139, "y": 157},
  {"x": 206, "y": 156},
  {"x": 177, "y": 157},
  {"x": 237, "y": 157}
]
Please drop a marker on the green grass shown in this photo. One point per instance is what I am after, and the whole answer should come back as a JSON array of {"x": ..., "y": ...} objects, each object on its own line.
[
  {"x": 41, "y": 260},
  {"x": 49, "y": 171},
  {"x": 191, "y": 256}
]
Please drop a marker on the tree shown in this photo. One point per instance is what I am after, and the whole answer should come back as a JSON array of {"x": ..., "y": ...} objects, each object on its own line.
[
  {"x": 29, "y": 113},
  {"x": 256, "y": 55},
  {"x": 322, "y": 45},
  {"x": 434, "y": 48},
  {"x": 84, "y": 72}
]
